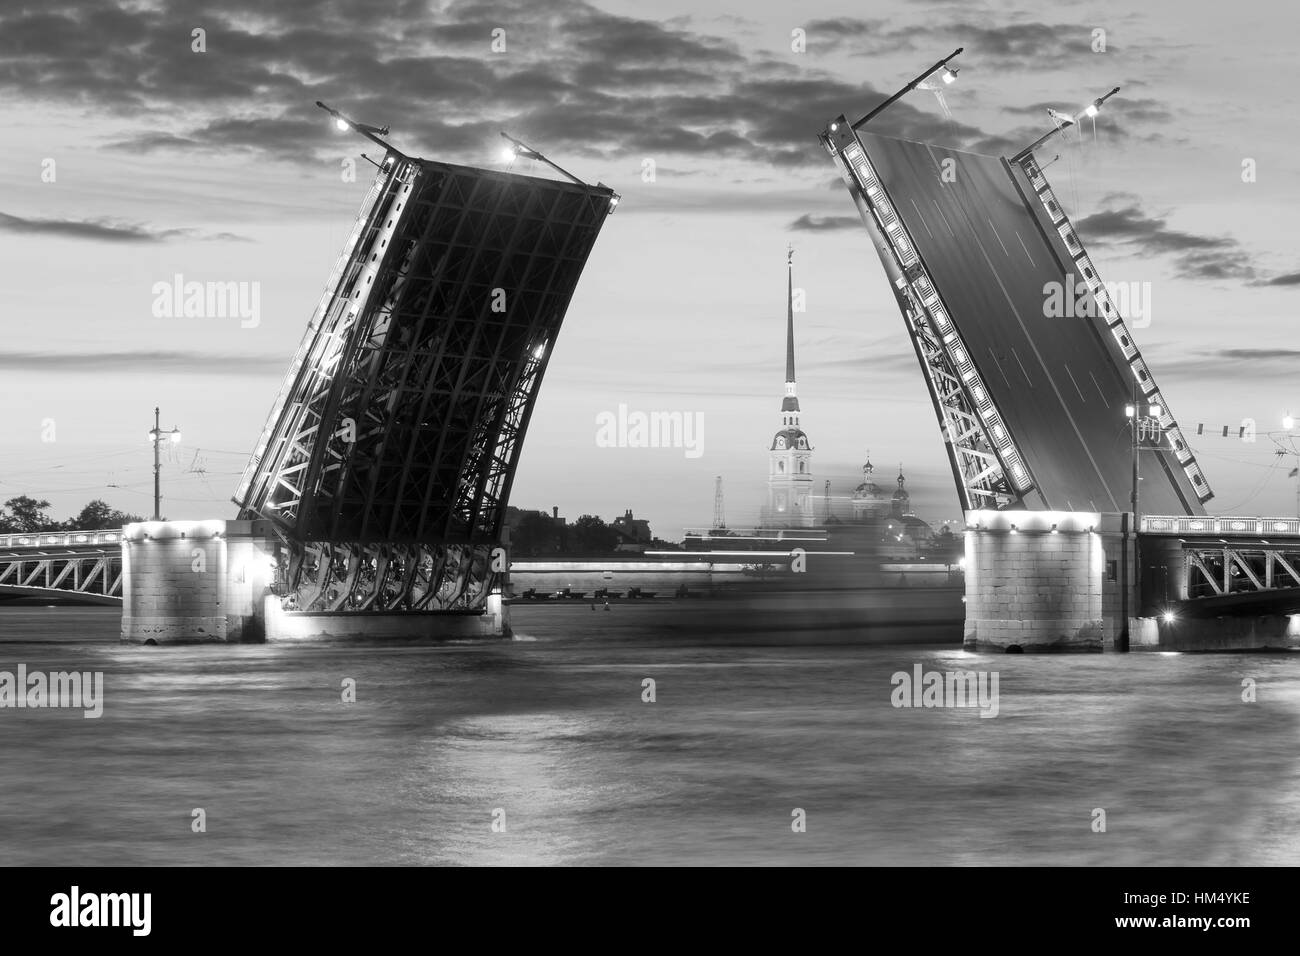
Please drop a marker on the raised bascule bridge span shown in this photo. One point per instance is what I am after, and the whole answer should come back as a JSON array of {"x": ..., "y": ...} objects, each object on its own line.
[
  {"x": 374, "y": 502},
  {"x": 1048, "y": 415}
]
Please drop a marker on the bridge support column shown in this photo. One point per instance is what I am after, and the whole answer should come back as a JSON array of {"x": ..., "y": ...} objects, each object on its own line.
[
  {"x": 190, "y": 582},
  {"x": 1045, "y": 581}
]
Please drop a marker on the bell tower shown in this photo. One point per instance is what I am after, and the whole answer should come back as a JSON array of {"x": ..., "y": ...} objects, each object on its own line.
[{"x": 789, "y": 477}]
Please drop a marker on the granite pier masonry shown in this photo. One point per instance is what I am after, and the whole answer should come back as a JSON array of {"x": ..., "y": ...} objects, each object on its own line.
[
  {"x": 1041, "y": 581},
  {"x": 192, "y": 582}
]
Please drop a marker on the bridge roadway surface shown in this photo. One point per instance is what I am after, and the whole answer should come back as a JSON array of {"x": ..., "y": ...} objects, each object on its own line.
[{"x": 1060, "y": 383}]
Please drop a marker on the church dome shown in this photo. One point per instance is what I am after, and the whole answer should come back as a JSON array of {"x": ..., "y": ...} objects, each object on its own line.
[
  {"x": 790, "y": 438},
  {"x": 868, "y": 489}
]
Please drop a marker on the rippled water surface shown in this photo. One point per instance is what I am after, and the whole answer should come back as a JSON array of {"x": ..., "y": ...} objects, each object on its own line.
[{"x": 551, "y": 729}]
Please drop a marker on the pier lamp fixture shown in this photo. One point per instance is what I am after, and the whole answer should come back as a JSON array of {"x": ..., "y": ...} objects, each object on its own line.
[
  {"x": 948, "y": 75},
  {"x": 1288, "y": 423},
  {"x": 1014, "y": 530},
  {"x": 157, "y": 436},
  {"x": 1169, "y": 617},
  {"x": 1061, "y": 121},
  {"x": 1054, "y": 531}
]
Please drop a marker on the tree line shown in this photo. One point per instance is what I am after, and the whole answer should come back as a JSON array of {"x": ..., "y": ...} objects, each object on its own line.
[{"x": 25, "y": 515}]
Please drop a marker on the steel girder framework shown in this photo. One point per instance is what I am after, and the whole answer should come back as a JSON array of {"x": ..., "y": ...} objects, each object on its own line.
[
  {"x": 988, "y": 468},
  {"x": 387, "y": 459},
  {"x": 95, "y": 574}
]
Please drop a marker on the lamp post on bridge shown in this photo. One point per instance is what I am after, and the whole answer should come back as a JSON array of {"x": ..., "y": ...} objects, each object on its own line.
[
  {"x": 948, "y": 75},
  {"x": 1138, "y": 424},
  {"x": 1091, "y": 110},
  {"x": 157, "y": 436}
]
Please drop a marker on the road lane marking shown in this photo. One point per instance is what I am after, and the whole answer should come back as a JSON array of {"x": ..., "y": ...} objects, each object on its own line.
[
  {"x": 997, "y": 363},
  {"x": 999, "y": 238},
  {"x": 1026, "y": 248},
  {"x": 1022, "y": 367},
  {"x": 922, "y": 218},
  {"x": 1076, "y": 384},
  {"x": 945, "y": 218},
  {"x": 1104, "y": 400}
]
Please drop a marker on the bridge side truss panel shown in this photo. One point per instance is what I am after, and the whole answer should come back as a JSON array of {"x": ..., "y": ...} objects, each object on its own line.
[{"x": 989, "y": 469}]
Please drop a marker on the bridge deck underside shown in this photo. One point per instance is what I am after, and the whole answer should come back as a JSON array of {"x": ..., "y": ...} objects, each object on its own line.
[
  {"x": 387, "y": 463},
  {"x": 1060, "y": 384}
]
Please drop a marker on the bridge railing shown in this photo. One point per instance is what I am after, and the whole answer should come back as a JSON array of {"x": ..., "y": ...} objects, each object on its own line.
[
  {"x": 60, "y": 539},
  {"x": 1199, "y": 526}
]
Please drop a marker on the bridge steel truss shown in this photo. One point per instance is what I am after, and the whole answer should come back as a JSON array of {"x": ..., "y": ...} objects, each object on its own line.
[
  {"x": 62, "y": 568},
  {"x": 989, "y": 469},
  {"x": 387, "y": 459},
  {"x": 1233, "y": 556}
]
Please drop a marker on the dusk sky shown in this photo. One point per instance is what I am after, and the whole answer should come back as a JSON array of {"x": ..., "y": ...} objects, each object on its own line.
[{"x": 218, "y": 166}]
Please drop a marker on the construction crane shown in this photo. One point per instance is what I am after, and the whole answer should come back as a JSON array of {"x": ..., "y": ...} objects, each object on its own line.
[{"x": 719, "y": 516}]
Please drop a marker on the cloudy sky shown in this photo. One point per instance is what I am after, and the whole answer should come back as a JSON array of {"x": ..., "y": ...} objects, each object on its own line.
[{"x": 130, "y": 158}]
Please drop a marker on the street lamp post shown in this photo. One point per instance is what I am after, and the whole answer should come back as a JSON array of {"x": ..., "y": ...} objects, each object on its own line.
[
  {"x": 1137, "y": 424},
  {"x": 949, "y": 75},
  {"x": 157, "y": 436},
  {"x": 1090, "y": 110}
]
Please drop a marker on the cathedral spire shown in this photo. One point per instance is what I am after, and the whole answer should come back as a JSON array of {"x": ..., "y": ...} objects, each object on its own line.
[
  {"x": 789, "y": 321},
  {"x": 791, "y": 401}
]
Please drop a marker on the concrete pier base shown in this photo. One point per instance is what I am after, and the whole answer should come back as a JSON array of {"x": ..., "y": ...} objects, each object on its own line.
[
  {"x": 421, "y": 626},
  {"x": 193, "y": 582},
  {"x": 1271, "y": 632},
  {"x": 1035, "y": 581}
]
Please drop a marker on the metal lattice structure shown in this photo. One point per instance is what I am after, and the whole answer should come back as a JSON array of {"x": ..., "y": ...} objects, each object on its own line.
[
  {"x": 82, "y": 564},
  {"x": 387, "y": 458}
]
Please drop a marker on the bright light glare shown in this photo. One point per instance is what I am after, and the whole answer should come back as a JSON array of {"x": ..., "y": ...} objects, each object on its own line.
[
  {"x": 1169, "y": 617},
  {"x": 176, "y": 436},
  {"x": 1288, "y": 423},
  {"x": 152, "y": 436},
  {"x": 1090, "y": 110},
  {"x": 341, "y": 124},
  {"x": 949, "y": 76},
  {"x": 1156, "y": 411},
  {"x": 508, "y": 154},
  {"x": 1128, "y": 411}
]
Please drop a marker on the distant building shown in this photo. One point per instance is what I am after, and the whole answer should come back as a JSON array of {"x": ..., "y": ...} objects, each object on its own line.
[{"x": 633, "y": 533}]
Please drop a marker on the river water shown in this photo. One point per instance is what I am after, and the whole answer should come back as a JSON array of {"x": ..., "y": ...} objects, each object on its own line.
[{"x": 548, "y": 736}]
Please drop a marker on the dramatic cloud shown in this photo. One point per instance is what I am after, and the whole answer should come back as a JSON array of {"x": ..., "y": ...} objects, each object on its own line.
[
  {"x": 438, "y": 81},
  {"x": 155, "y": 362},
  {"x": 1290, "y": 278},
  {"x": 1020, "y": 46},
  {"x": 811, "y": 223},
  {"x": 106, "y": 230},
  {"x": 1194, "y": 256}
]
